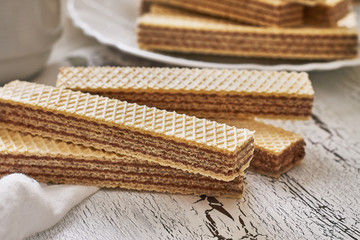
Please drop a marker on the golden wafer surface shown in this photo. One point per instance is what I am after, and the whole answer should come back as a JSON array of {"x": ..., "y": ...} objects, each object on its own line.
[
  {"x": 186, "y": 80},
  {"x": 274, "y": 139},
  {"x": 157, "y": 122},
  {"x": 199, "y": 92}
]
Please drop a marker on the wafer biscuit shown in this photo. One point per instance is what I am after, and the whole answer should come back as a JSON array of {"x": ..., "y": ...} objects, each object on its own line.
[
  {"x": 327, "y": 13},
  {"x": 200, "y": 92},
  {"x": 306, "y": 2},
  {"x": 173, "y": 30},
  {"x": 48, "y": 160},
  {"x": 258, "y": 12},
  {"x": 276, "y": 150},
  {"x": 170, "y": 139}
]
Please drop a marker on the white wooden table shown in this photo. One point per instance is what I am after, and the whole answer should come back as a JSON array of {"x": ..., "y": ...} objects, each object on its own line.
[{"x": 320, "y": 199}]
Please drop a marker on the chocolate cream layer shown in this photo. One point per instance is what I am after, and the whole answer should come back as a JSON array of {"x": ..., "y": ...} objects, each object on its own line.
[
  {"x": 181, "y": 44},
  {"x": 327, "y": 15},
  {"x": 166, "y": 29},
  {"x": 118, "y": 173},
  {"x": 296, "y": 39},
  {"x": 122, "y": 141},
  {"x": 272, "y": 165},
  {"x": 212, "y": 105}
]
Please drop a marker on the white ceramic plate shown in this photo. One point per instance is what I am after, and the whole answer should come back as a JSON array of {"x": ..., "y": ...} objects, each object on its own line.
[{"x": 113, "y": 22}]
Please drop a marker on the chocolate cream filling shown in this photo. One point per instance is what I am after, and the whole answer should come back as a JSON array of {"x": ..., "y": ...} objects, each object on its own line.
[
  {"x": 287, "y": 159},
  {"x": 248, "y": 146},
  {"x": 234, "y": 48},
  {"x": 84, "y": 174},
  {"x": 210, "y": 169},
  {"x": 217, "y": 104},
  {"x": 327, "y": 14},
  {"x": 291, "y": 36},
  {"x": 82, "y": 124},
  {"x": 210, "y": 39},
  {"x": 131, "y": 184},
  {"x": 224, "y": 108},
  {"x": 100, "y": 165},
  {"x": 201, "y": 98}
]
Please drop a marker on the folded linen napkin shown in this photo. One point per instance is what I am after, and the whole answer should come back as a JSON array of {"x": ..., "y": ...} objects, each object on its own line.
[{"x": 28, "y": 207}]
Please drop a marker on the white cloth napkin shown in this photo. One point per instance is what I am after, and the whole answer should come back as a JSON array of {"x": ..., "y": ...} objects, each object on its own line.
[{"x": 28, "y": 207}]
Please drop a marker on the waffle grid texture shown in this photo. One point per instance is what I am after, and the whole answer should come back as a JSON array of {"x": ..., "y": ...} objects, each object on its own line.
[
  {"x": 268, "y": 137},
  {"x": 16, "y": 142},
  {"x": 271, "y": 139},
  {"x": 178, "y": 127},
  {"x": 185, "y": 80}
]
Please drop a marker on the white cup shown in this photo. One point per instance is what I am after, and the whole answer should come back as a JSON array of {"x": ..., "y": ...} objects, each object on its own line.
[{"x": 28, "y": 30}]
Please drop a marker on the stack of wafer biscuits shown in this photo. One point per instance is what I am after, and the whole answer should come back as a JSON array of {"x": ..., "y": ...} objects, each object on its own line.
[
  {"x": 258, "y": 12},
  {"x": 168, "y": 138},
  {"x": 317, "y": 36},
  {"x": 123, "y": 144},
  {"x": 276, "y": 150},
  {"x": 49, "y": 160}
]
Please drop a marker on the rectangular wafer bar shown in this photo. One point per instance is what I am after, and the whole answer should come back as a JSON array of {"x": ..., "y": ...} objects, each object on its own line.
[
  {"x": 327, "y": 13},
  {"x": 256, "y": 12},
  {"x": 200, "y": 92},
  {"x": 276, "y": 150},
  {"x": 173, "y": 30},
  {"x": 170, "y": 139},
  {"x": 306, "y": 2},
  {"x": 47, "y": 160}
]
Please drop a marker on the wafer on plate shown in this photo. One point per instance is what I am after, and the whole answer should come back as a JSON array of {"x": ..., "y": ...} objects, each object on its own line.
[
  {"x": 200, "y": 92},
  {"x": 47, "y": 160},
  {"x": 276, "y": 150},
  {"x": 306, "y": 2},
  {"x": 258, "y": 12},
  {"x": 170, "y": 139},
  {"x": 173, "y": 30},
  {"x": 327, "y": 13}
]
